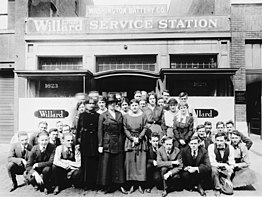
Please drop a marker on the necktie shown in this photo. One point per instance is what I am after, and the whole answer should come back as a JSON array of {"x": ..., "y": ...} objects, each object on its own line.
[
  {"x": 23, "y": 152},
  {"x": 168, "y": 155},
  {"x": 194, "y": 154},
  {"x": 68, "y": 152}
]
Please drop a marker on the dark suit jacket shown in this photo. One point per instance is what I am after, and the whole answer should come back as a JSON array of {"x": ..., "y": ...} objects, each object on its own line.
[
  {"x": 151, "y": 155},
  {"x": 164, "y": 161},
  {"x": 110, "y": 132},
  {"x": 15, "y": 153},
  {"x": 202, "y": 159},
  {"x": 35, "y": 157}
]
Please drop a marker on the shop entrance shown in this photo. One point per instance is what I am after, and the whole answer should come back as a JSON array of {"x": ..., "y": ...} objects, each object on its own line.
[{"x": 125, "y": 84}]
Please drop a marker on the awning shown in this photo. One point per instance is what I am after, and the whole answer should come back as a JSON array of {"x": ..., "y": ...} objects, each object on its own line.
[
  {"x": 36, "y": 74},
  {"x": 198, "y": 73},
  {"x": 123, "y": 72}
]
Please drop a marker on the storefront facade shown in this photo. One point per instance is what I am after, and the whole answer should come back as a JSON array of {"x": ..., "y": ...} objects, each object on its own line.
[{"x": 128, "y": 48}]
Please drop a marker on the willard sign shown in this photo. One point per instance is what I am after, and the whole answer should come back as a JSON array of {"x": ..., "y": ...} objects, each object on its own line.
[{"x": 124, "y": 24}]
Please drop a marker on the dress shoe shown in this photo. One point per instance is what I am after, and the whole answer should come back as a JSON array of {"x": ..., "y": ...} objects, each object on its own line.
[
  {"x": 201, "y": 190},
  {"x": 13, "y": 187},
  {"x": 56, "y": 190},
  {"x": 164, "y": 193},
  {"x": 132, "y": 189},
  {"x": 217, "y": 193},
  {"x": 109, "y": 190},
  {"x": 140, "y": 189},
  {"x": 46, "y": 191},
  {"x": 148, "y": 190},
  {"x": 123, "y": 190}
]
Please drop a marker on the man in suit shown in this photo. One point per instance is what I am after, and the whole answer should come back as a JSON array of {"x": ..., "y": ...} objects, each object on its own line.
[
  {"x": 17, "y": 158},
  {"x": 170, "y": 163},
  {"x": 204, "y": 141},
  {"x": 39, "y": 165},
  {"x": 42, "y": 126},
  {"x": 67, "y": 163},
  {"x": 196, "y": 165},
  {"x": 53, "y": 137},
  {"x": 222, "y": 160},
  {"x": 153, "y": 173}
]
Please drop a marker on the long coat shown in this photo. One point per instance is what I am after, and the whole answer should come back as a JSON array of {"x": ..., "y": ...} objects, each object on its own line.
[
  {"x": 111, "y": 133},
  {"x": 111, "y": 138},
  {"x": 87, "y": 133}
]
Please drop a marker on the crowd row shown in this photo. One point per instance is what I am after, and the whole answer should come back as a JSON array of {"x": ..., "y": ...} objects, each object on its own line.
[{"x": 139, "y": 147}]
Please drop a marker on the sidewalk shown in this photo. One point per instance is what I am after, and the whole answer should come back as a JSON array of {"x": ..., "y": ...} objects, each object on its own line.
[{"x": 27, "y": 191}]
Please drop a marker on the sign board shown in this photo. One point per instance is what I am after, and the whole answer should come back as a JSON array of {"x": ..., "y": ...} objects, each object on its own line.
[
  {"x": 240, "y": 97},
  {"x": 125, "y": 24},
  {"x": 133, "y": 10},
  {"x": 212, "y": 109},
  {"x": 34, "y": 110},
  {"x": 51, "y": 110}
]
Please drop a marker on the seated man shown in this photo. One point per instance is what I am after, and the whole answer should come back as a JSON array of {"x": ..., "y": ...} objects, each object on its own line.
[
  {"x": 42, "y": 126},
  {"x": 67, "y": 162},
  {"x": 39, "y": 165},
  {"x": 230, "y": 127},
  {"x": 243, "y": 175},
  {"x": 204, "y": 141},
  {"x": 196, "y": 165},
  {"x": 18, "y": 157},
  {"x": 221, "y": 157},
  {"x": 170, "y": 163},
  {"x": 53, "y": 136},
  {"x": 153, "y": 173}
]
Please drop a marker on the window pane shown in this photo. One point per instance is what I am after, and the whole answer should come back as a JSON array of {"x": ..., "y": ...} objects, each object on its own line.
[{"x": 4, "y": 7}]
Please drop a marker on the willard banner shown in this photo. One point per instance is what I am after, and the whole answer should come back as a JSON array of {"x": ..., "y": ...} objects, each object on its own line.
[
  {"x": 142, "y": 24},
  {"x": 51, "y": 110}
]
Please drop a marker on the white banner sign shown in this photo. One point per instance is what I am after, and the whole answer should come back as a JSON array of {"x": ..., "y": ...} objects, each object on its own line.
[{"x": 51, "y": 110}]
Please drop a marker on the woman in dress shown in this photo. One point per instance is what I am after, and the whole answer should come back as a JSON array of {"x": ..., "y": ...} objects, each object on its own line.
[
  {"x": 243, "y": 175},
  {"x": 111, "y": 148},
  {"x": 101, "y": 105},
  {"x": 135, "y": 146},
  {"x": 168, "y": 118},
  {"x": 124, "y": 106},
  {"x": 80, "y": 108},
  {"x": 87, "y": 137},
  {"x": 154, "y": 115},
  {"x": 183, "y": 126}
]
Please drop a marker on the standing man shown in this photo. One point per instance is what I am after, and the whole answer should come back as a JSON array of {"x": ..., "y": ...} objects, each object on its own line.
[
  {"x": 137, "y": 95},
  {"x": 67, "y": 161},
  {"x": 208, "y": 129},
  {"x": 204, "y": 141},
  {"x": 153, "y": 173},
  {"x": 53, "y": 137},
  {"x": 170, "y": 163},
  {"x": 222, "y": 160},
  {"x": 196, "y": 164},
  {"x": 39, "y": 165},
  {"x": 165, "y": 95},
  {"x": 17, "y": 158}
]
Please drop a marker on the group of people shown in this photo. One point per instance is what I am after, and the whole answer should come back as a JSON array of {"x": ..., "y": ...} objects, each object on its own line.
[{"x": 117, "y": 144}]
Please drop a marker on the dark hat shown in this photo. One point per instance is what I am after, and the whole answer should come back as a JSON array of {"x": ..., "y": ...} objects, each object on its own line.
[{"x": 111, "y": 98}]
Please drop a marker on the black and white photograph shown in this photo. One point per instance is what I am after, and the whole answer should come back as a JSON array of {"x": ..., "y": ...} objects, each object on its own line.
[{"x": 130, "y": 98}]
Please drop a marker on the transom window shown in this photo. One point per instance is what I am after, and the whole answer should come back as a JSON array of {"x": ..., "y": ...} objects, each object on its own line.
[
  {"x": 138, "y": 62},
  {"x": 60, "y": 63},
  {"x": 193, "y": 61}
]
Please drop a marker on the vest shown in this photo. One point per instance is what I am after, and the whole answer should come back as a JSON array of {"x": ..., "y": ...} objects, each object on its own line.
[
  {"x": 218, "y": 156},
  {"x": 65, "y": 156}
]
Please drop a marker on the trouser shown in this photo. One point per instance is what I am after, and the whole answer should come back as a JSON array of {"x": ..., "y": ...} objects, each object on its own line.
[
  {"x": 13, "y": 170},
  {"x": 153, "y": 177},
  {"x": 216, "y": 174},
  {"x": 173, "y": 181},
  {"x": 192, "y": 179},
  {"x": 63, "y": 177},
  {"x": 46, "y": 174}
]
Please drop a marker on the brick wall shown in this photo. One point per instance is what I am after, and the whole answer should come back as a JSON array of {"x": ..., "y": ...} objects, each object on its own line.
[{"x": 246, "y": 24}]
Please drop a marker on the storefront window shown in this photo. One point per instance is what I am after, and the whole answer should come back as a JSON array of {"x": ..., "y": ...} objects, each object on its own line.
[
  {"x": 60, "y": 63},
  {"x": 193, "y": 61},
  {"x": 141, "y": 62}
]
